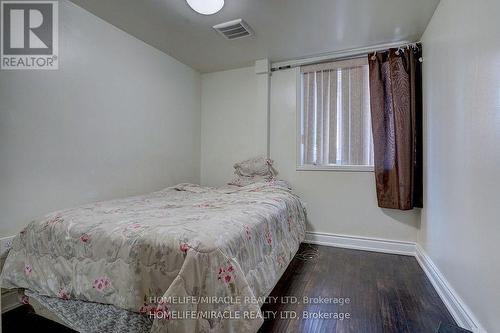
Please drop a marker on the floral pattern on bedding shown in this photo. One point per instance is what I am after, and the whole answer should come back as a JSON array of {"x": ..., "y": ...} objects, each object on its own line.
[{"x": 181, "y": 242}]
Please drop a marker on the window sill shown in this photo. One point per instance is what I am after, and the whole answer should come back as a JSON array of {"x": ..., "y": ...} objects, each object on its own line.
[{"x": 345, "y": 168}]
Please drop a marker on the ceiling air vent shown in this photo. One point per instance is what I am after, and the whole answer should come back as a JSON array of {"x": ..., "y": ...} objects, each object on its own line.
[{"x": 234, "y": 29}]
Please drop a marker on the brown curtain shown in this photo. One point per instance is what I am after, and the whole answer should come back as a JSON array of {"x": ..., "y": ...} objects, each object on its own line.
[{"x": 396, "y": 109}]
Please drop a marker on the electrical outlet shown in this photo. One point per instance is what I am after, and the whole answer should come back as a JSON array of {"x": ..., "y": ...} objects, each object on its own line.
[{"x": 5, "y": 245}]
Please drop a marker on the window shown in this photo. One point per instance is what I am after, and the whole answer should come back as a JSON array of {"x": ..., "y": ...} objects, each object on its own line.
[{"x": 334, "y": 122}]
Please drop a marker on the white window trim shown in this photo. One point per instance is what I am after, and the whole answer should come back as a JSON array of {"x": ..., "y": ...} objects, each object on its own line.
[
  {"x": 310, "y": 167},
  {"x": 334, "y": 167}
]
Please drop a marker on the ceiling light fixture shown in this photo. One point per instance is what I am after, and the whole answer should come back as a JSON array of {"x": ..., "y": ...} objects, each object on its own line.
[{"x": 206, "y": 7}]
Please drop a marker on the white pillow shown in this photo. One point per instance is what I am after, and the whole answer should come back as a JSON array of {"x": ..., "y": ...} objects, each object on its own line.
[
  {"x": 244, "y": 181},
  {"x": 257, "y": 166}
]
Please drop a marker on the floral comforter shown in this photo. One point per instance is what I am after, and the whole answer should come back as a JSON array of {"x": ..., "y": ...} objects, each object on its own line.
[{"x": 196, "y": 259}]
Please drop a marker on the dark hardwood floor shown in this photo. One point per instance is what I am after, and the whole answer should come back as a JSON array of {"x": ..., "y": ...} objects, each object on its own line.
[
  {"x": 387, "y": 293},
  {"x": 23, "y": 319}
]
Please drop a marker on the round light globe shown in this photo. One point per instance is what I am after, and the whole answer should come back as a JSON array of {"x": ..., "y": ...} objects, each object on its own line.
[{"x": 206, "y": 7}]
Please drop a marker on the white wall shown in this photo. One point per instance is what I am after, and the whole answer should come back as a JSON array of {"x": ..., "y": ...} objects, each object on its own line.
[
  {"x": 118, "y": 118},
  {"x": 337, "y": 202},
  {"x": 460, "y": 222},
  {"x": 234, "y": 127},
  {"x": 233, "y": 122}
]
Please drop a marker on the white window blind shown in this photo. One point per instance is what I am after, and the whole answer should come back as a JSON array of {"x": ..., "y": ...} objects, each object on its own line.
[{"x": 335, "y": 122}]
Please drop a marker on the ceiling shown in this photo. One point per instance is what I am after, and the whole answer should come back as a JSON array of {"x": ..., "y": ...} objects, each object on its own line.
[{"x": 284, "y": 29}]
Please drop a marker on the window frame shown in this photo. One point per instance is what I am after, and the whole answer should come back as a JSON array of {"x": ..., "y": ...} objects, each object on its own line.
[{"x": 298, "y": 153}]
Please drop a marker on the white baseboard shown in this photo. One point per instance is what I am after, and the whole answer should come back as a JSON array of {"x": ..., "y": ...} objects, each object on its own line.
[
  {"x": 361, "y": 243},
  {"x": 455, "y": 305}
]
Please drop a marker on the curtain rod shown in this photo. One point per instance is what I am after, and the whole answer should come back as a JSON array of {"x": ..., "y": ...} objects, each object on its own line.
[{"x": 337, "y": 55}]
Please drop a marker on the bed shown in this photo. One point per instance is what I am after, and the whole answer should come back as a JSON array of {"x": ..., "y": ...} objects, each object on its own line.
[{"x": 184, "y": 259}]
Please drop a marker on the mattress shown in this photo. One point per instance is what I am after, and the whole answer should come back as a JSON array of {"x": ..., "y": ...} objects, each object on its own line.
[{"x": 191, "y": 258}]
